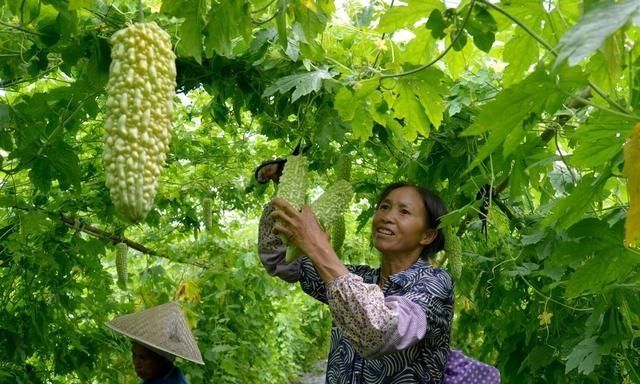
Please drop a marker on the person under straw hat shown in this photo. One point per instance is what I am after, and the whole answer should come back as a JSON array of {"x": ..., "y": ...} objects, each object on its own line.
[{"x": 158, "y": 335}]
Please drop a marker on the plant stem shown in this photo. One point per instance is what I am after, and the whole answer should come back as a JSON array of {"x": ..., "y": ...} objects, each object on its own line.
[
  {"x": 21, "y": 29},
  {"x": 140, "y": 12}
]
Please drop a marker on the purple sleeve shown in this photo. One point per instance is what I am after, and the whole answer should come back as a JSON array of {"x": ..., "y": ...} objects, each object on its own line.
[
  {"x": 462, "y": 369},
  {"x": 272, "y": 250},
  {"x": 375, "y": 325}
]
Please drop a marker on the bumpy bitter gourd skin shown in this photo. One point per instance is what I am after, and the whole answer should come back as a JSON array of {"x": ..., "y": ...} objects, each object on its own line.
[
  {"x": 293, "y": 189},
  {"x": 138, "y": 117},
  {"x": 342, "y": 169},
  {"x": 293, "y": 182},
  {"x": 338, "y": 231},
  {"x": 453, "y": 251},
  {"x": 332, "y": 203},
  {"x": 329, "y": 208}
]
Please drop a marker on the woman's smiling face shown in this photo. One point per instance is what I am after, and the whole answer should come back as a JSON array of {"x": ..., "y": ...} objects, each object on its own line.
[{"x": 400, "y": 224}]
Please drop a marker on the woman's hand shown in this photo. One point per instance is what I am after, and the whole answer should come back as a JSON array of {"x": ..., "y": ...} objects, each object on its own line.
[{"x": 304, "y": 231}]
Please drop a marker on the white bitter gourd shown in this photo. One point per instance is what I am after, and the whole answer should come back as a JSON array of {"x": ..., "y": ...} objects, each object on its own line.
[{"x": 138, "y": 116}]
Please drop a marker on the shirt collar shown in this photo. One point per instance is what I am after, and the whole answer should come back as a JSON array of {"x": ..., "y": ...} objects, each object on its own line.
[{"x": 409, "y": 274}]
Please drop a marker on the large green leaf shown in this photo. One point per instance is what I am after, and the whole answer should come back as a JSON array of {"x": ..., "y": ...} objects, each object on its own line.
[
  {"x": 312, "y": 16},
  {"x": 599, "y": 140},
  {"x": 190, "y": 35},
  {"x": 429, "y": 89},
  {"x": 359, "y": 107},
  {"x": 511, "y": 109},
  {"x": 593, "y": 28},
  {"x": 520, "y": 52},
  {"x": 401, "y": 16},
  {"x": 585, "y": 356},
  {"x": 570, "y": 209},
  {"x": 228, "y": 20},
  {"x": 482, "y": 27},
  {"x": 613, "y": 264},
  {"x": 65, "y": 164},
  {"x": 408, "y": 107},
  {"x": 301, "y": 83},
  {"x": 420, "y": 49}
]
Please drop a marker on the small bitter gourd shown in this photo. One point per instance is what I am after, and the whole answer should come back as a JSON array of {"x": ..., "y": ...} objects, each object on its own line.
[
  {"x": 453, "y": 251},
  {"x": 122, "y": 250}
]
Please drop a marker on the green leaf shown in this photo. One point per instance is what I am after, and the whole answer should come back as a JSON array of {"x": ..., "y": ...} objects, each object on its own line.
[
  {"x": 40, "y": 174},
  {"x": 65, "y": 164},
  {"x": 6, "y": 142},
  {"x": 520, "y": 53},
  {"x": 570, "y": 209},
  {"x": 304, "y": 83},
  {"x": 190, "y": 42},
  {"x": 27, "y": 10},
  {"x": 482, "y": 27},
  {"x": 595, "y": 26},
  {"x": 312, "y": 16},
  {"x": 510, "y": 109},
  {"x": 33, "y": 222},
  {"x": 228, "y": 20},
  {"x": 429, "y": 89},
  {"x": 437, "y": 24},
  {"x": 179, "y": 8},
  {"x": 599, "y": 140},
  {"x": 328, "y": 127},
  {"x": 408, "y": 107},
  {"x": 533, "y": 238},
  {"x": 402, "y": 16},
  {"x": 570, "y": 9},
  {"x": 585, "y": 356},
  {"x": 357, "y": 107},
  {"x": 609, "y": 265},
  {"x": 420, "y": 49},
  {"x": 344, "y": 102},
  {"x": 530, "y": 11},
  {"x": 539, "y": 357},
  {"x": 523, "y": 269},
  {"x": 75, "y": 5}
]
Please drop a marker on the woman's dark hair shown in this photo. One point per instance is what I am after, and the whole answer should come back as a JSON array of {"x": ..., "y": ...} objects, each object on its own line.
[{"x": 435, "y": 208}]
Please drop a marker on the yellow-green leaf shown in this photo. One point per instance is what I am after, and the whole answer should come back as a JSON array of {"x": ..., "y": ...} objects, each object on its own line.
[{"x": 632, "y": 172}]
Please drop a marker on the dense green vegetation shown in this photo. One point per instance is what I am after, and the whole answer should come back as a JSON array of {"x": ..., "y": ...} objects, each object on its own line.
[{"x": 515, "y": 111}]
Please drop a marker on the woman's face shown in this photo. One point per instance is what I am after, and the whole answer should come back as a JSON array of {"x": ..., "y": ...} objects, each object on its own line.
[
  {"x": 399, "y": 224},
  {"x": 147, "y": 363}
]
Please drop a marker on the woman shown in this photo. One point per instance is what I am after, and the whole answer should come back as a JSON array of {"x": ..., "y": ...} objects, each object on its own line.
[
  {"x": 158, "y": 334},
  {"x": 391, "y": 324},
  {"x": 153, "y": 367}
]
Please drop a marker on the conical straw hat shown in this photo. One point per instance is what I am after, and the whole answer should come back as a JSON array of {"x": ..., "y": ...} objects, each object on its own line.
[{"x": 163, "y": 328}]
